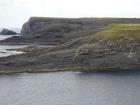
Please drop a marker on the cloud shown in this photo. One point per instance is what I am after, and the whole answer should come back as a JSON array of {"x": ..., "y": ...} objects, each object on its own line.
[{"x": 16, "y": 12}]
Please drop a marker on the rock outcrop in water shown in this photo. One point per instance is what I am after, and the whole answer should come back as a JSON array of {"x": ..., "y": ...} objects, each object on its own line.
[
  {"x": 112, "y": 47},
  {"x": 7, "y": 32}
]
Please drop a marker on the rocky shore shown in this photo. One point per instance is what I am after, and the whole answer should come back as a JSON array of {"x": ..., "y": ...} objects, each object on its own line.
[{"x": 84, "y": 45}]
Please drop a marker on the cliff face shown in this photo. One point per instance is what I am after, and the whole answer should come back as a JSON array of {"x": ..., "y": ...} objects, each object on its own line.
[
  {"x": 57, "y": 30},
  {"x": 25, "y": 28},
  {"x": 40, "y": 25}
]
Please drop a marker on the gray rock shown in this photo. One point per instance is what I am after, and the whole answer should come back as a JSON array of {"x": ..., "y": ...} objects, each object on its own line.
[{"x": 7, "y": 32}]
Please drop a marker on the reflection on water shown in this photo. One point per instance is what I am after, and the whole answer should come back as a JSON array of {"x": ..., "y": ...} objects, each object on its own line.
[{"x": 100, "y": 88}]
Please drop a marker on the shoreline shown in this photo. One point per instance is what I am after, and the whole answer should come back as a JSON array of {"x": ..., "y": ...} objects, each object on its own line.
[
  {"x": 28, "y": 44},
  {"x": 74, "y": 69}
]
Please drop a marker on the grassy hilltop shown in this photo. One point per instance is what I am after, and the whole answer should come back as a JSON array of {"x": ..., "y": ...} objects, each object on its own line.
[
  {"x": 117, "y": 32},
  {"x": 121, "y": 31}
]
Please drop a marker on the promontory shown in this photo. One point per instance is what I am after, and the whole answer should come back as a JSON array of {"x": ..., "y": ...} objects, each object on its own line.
[{"x": 76, "y": 44}]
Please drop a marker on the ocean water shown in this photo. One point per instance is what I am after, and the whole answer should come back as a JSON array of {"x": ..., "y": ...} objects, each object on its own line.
[
  {"x": 4, "y": 48},
  {"x": 2, "y": 37},
  {"x": 70, "y": 88}
]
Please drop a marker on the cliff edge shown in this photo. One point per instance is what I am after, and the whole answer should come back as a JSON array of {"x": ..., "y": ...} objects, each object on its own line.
[{"x": 56, "y": 31}]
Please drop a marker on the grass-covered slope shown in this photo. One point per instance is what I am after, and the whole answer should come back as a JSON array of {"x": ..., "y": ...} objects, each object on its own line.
[
  {"x": 121, "y": 31},
  {"x": 118, "y": 46},
  {"x": 116, "y": 33}
]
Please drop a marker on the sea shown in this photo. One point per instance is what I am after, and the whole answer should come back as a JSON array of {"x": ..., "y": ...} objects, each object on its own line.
[{"x": 68, "y": 88}]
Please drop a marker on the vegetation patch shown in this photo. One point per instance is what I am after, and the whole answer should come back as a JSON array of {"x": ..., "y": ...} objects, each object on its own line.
[{"x": 121, "y": 31}]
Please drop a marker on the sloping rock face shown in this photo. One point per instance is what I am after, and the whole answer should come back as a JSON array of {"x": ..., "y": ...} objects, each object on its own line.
[{"x": 7, "y": 32}]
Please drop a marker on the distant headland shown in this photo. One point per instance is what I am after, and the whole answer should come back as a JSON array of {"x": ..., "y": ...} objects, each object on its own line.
[{"x": 76, "y": 44}]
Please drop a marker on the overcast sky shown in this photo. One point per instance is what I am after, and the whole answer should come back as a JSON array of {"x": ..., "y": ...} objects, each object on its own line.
[{"x": 13, "y": 13}]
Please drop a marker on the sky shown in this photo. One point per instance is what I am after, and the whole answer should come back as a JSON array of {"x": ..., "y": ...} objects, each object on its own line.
[{"x": 13, "y": 13}]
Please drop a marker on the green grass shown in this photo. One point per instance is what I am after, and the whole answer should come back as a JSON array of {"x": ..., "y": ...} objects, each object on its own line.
[
  {"x": 120, "y": 31},
  {"x": 105, "y": 19},
  {"x": 117, "y": 37}
]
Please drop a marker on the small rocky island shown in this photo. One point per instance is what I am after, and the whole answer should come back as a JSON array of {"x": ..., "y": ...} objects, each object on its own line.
[
  {"x": 84, "y": 44},
  {"x": 7, "y": 32}
]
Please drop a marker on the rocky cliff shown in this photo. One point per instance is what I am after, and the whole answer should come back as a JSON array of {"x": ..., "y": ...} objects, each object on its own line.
[
  {"x": 54, "y": 31},
  {"x": 57, "y": 30}
]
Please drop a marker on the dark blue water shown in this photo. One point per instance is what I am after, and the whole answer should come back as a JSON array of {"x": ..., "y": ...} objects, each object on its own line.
[{"x": 68, "y": 88}]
